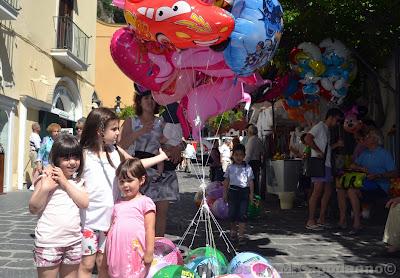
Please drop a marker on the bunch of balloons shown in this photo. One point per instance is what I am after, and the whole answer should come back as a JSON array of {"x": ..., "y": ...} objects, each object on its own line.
[
  {"x": 196, "y": 53},
  {"x": 316, "y": 71}
]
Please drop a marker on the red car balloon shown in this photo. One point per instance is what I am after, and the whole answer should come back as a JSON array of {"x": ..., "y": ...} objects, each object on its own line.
[{"x": 182, "y": 24}]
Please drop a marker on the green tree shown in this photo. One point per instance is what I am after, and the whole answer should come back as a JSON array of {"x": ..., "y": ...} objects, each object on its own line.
[
  {"x": 108, "y": 13},
  {"x": 127, "y": 112},
  {"x": 369, "y": 27},
  {"x": 224, "y": 120}
]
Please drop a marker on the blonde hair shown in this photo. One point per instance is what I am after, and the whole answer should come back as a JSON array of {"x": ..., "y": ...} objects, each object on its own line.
[
  {"x": 35, "y": 126},
  {"x": 53, "y": 127}
]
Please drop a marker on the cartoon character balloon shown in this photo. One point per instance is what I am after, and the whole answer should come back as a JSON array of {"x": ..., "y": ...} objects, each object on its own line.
[
  {"x": 180, "y": 24},
  {"x": 258, "y": 29},
  {"x": 136, "y": 60}
]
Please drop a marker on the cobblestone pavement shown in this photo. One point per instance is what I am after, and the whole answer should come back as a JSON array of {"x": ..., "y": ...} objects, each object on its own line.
[{"x": 277, "y": 234}]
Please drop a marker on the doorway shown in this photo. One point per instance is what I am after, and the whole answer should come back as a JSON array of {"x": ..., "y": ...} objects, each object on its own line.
[{"x": 64, "y": 24}]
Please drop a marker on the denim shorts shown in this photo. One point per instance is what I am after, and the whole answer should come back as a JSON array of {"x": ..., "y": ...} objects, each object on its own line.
[{"x": 238, "y": 200}]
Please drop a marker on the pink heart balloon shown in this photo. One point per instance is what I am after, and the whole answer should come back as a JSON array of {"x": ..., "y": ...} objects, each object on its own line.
[
  {"x": 146, "y": 63},
  {"x": 210, "y": 100}
]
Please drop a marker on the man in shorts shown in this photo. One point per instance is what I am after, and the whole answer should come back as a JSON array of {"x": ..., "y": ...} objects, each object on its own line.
[{"x": 318, "y": 138}]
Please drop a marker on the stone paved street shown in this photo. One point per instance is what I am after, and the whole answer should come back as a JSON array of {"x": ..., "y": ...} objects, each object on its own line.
[{"x": 277, "y": 234}]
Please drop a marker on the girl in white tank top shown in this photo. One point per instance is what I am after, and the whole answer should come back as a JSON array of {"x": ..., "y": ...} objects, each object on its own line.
[{"x": 102, "y": 156}]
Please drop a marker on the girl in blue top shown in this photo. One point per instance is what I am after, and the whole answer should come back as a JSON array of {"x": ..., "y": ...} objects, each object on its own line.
[{"x": 238, "y": 191}]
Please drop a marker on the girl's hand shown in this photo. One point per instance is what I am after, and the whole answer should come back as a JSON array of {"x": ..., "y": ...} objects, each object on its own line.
[
  {"x": 147, "y": 259},
  {"x": 59, "y": 177},
  {"x": 48, "y": 183},
  {"x": 163, "y": 154}
]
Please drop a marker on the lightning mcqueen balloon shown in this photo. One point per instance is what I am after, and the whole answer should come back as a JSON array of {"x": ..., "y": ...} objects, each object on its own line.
[{"x": 182, "y": 24}]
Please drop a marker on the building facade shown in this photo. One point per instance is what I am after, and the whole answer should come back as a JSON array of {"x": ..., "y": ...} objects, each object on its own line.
[
  {"x": 47, "y": 74},
  {"x": 121, "y": 85}
]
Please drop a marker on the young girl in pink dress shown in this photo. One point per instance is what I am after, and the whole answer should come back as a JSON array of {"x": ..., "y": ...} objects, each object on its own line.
[{"x": 130, "y": 240}]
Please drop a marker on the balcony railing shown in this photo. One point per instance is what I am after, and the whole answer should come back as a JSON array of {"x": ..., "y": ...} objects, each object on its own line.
[
  {"x": 12, "y": 3},
  {"x": 9, "y": 9},
  {"x": 69, "y": 36}
]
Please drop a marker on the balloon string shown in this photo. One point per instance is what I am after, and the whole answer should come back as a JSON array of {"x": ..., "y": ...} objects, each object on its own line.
[
  {"x": 192, "y": 222},
  {"x": 170, "y": 115}
]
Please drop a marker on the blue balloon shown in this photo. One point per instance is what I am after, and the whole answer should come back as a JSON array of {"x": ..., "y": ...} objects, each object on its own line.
[
  {"x": 332, "y": 59},
  {"x": 255, "y": 38},
  {"x": 293, "y": 102},
  {"x": 346, "y": 74},
  {"x": 310, "y": 89}
]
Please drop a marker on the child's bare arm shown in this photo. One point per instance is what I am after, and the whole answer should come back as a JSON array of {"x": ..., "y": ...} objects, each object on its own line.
[
  {"x": 38, "y": 200},
  {"x": 149, "y": 162},
  {"x": 149, "y": 225}
]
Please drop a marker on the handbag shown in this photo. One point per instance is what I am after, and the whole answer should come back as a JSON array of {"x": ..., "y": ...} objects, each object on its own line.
[{"x": 315, "y": 166}]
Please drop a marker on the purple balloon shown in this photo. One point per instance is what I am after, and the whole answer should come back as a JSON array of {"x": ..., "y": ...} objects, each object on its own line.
[
  {"x": 220, "y": 209},
  {"x": 215, "y": 190}
]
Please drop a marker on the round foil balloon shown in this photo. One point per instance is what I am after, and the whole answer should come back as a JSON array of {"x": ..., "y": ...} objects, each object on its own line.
[
  {"x": 206, "y": 266},
  {"x": 207, "y": 252},
  {"x": 175, "y": 271},
  {"x": 244, "y": 258},
  {"x": 256, "y": 270},
  {"x": 165, "y": 250}
]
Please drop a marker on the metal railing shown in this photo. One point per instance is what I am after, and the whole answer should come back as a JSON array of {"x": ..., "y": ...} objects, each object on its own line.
[
  {"x": 13, "y": 3},
  {"x": 70, "y": 36}
]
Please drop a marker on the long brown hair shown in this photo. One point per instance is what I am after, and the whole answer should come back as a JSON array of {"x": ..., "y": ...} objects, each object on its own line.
[{"x": 97, "y": 121}]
